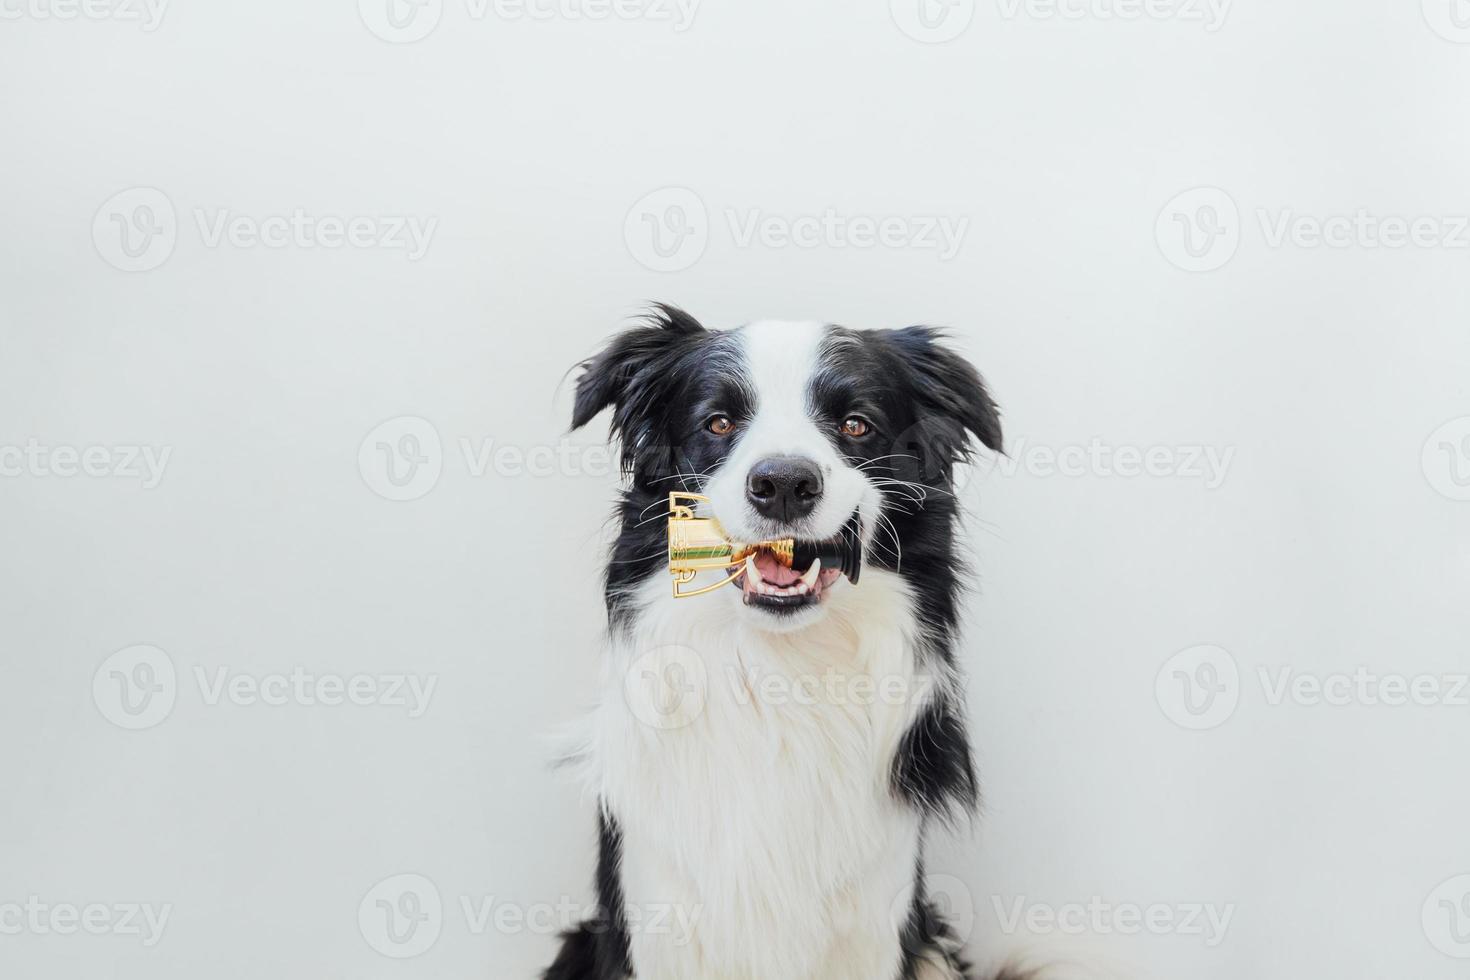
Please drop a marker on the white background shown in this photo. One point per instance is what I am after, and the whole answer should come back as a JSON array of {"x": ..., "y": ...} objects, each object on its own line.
[{"x": 1336, "y": 538}]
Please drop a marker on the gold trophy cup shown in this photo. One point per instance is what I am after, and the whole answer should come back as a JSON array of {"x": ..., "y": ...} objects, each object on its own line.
[{"x": 700, "y": 544}]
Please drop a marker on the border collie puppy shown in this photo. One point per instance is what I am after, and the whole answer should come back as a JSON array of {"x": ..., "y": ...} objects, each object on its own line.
[{"x": 769, "y": 757}]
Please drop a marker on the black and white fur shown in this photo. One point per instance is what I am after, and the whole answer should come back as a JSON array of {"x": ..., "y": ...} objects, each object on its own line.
[{"x": 794, "y": 829}]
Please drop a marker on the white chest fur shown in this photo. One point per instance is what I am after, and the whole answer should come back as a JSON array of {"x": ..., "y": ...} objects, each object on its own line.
[{"x": 750, "y": 775}]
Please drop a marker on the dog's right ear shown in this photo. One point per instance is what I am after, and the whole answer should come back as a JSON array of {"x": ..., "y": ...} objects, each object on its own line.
[
  {"x": 631, "y": 374},
  {"x": 608, "y": 378}
]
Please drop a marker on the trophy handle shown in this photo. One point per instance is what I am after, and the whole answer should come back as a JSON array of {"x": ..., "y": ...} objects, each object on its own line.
[
  {"x": 685, "y": 511},
  {"x": 687, "y": 576}
]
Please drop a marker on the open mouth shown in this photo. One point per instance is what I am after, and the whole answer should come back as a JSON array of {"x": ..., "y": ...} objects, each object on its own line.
[
  {"x": 805, "y": 576},
  {"x": 769, "y": 584}
]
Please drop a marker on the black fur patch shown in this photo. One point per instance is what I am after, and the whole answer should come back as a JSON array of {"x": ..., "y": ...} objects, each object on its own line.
[
  {"x": 598, "y": 949},
  {"x": 933, "y": 770},
  {"x": 926, "y": 935}
]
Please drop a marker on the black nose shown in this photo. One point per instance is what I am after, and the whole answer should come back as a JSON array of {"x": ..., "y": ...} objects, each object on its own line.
[{"x": 784, "y": 488}]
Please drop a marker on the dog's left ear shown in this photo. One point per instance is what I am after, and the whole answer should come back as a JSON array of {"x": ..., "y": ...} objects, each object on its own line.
[{"x": 949, "y": 387}]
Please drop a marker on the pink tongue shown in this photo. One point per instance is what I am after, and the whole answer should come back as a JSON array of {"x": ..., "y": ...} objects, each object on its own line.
[{"x": 773, "y": 571}]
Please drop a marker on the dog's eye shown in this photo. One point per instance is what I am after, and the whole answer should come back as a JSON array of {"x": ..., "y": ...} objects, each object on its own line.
[
  {"x": 855, "y": 426},
  {"x": 720, "y": 425}
]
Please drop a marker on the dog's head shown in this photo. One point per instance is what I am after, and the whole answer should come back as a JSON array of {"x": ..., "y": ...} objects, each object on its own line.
[{"x": 792, "y": 430}]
